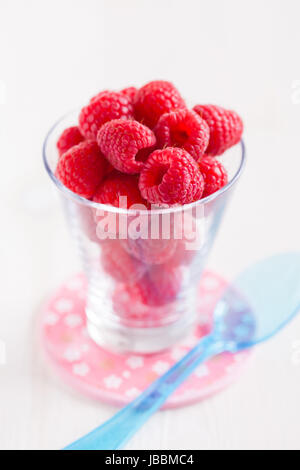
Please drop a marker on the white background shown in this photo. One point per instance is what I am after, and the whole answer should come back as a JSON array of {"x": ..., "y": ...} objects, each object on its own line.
[{"x": 53, "y": 56}]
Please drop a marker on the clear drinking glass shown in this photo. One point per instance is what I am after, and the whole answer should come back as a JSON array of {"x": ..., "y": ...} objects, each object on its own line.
[{"x": 143, "y": 266}]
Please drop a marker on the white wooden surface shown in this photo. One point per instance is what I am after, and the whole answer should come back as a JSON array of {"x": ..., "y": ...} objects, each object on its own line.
[{"x": 53, "y": 56}]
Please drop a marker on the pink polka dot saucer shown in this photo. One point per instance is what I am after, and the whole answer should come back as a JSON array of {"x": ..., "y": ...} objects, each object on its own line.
[{"x": 115, "y": 378}]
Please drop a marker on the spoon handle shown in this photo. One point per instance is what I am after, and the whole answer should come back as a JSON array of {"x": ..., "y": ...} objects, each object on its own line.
[{"x": 115, "y": 432}]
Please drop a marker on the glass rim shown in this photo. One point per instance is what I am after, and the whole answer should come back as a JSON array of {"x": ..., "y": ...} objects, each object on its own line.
[{"x": 108, "y": 208}]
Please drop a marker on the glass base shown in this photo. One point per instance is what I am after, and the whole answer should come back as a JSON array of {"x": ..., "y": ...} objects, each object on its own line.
[
  {"x": 123, "y": 339},
  {"x": 118, "y": 378}
]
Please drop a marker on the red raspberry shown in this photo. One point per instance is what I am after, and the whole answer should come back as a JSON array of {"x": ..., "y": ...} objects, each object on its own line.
[
  {"x": 154, "y": 99},
  {"x": 108, "y": 106},
  {"x": 121, "y": 191},
  {"x": 109, "y": 169},
  {"x": 130, "y": 92},
  {"x": 182, "y": 256},
  {"x": 171, "y": 176},
  {"x": 117, "y": 185},
  {"x": 126, "y": 144},
  {"x": 129, "y": 303},
  {"x": 151, "y": 251},
  {"x": 157, "y": 237},
  {"x": 70, "y": 137},
  {"x": 226, "y": 127},
  {"x": 81, "y": 168},
  {"x": 159, "y": 285},
  {"x": 190, "y": 239},
  {"x": 119, "y": 264},
  {"x": 214, "y": 174},
  {"x": 183, "y": 128},
  {"x": 99, "y": 95}
]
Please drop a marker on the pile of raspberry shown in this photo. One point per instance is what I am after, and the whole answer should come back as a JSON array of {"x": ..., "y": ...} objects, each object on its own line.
[{"x": 146, "y": 145}]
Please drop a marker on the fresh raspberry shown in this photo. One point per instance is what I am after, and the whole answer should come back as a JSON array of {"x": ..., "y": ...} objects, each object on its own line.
[
  {"x": 81, "y": 168},
  {"x": 190, "y": 239},
  {"x": 171, "y": 176},
  {"x": 119, "y": 264},
  {"x": 185, "y": 129},
  {"x": 99, "y": 95},
  {"x": 226, "y": 128},
  {"x": 126, "y": 144},
  {"x": 108, "y": 106},
  {"x": 182, "y": 256},
  {"x": 160, "y": 286},
  {"x": 109, "y": 169},
  {"x": 154, "y": 99},
  {"x": 117, "y": 185},
  {"x": 127, "y": 302},
  {"x": 150, "y": 250},
  {"x": 155, "y": 240},
  {"x": 130, "y": 92},
  {"x": 70, "y": 137},
  {"x": 121, "y": 191},
  {"x": 214, "y": 174}
]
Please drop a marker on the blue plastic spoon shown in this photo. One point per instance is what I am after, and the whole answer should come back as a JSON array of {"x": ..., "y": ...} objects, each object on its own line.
[{"x": 262, "y": 300}]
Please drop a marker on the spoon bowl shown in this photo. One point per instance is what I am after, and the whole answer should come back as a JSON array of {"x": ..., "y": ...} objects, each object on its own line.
[{"x": 268, "y": 298}]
